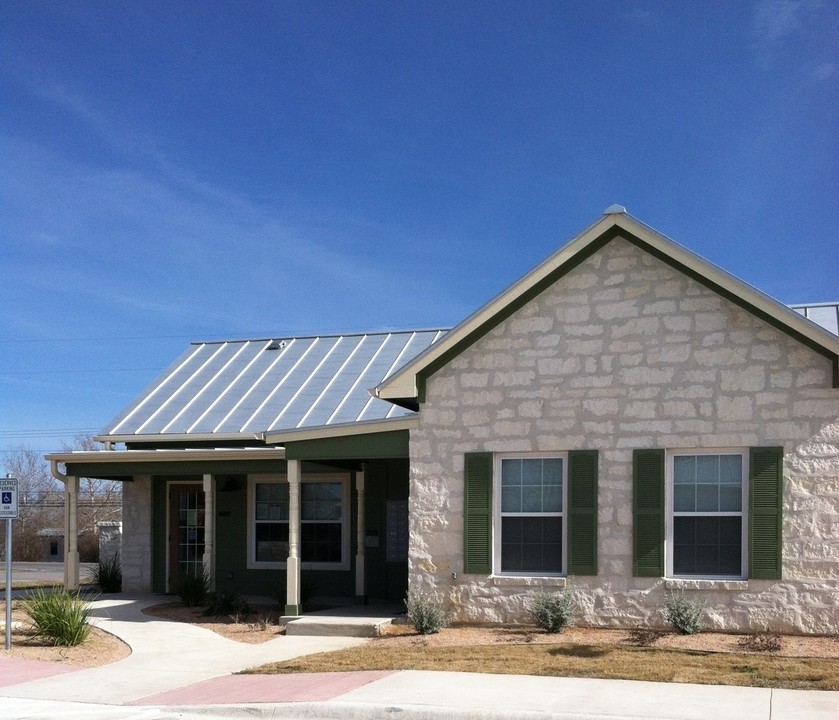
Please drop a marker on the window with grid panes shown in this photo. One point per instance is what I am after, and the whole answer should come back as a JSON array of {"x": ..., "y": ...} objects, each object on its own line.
[
  {"x": 707, "y": 521},
  {"x": 321, "y": 521},
  {"x": 531, "y": 515}
]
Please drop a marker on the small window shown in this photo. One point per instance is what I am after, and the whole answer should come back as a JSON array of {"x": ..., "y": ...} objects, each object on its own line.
[
  {"x": 530, "y": 515},
  {"x": 706, "y": 532},
  {"x": 324, "y": 527}
]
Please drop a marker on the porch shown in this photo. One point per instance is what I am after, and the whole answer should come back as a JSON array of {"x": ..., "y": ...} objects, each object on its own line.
[
  {"x": 346, "y": 621},
  {"x": 290, "y": 522}
]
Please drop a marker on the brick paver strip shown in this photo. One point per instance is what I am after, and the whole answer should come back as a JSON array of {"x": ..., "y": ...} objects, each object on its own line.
[
  {"x": 15, "y": 670},
  {"x": 237, "y": 689}
]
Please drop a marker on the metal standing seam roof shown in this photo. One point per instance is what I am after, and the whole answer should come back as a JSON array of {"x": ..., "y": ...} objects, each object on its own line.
[
  {"x": 248, "y": 387},
  {"x": 243, "y": 388},
  {"x": 824, "y": 314}
]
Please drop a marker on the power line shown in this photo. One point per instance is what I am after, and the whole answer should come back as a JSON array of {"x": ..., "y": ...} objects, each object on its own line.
[
  {"x": 94, "y": 339},
  {"x": 54, "y": 432},
  {"x": 56, "y": 372}
]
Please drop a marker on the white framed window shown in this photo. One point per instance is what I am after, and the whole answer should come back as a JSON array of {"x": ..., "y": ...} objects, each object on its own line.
[
  {"x": 706, "y": 496},
  {"x": 324, "y": 521},
  {"x": 530, "y": 524}
]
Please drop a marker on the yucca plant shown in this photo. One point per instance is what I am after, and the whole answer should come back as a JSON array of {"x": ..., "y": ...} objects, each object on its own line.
[
  {"x": 191, "y": 586},
  {"x": 58, "y": 616},
  {"x": 107, "y": 575}
]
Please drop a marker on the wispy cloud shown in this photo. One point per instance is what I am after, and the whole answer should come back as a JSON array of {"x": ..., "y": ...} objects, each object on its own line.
[
  {"x": 825, "y": 71},
  {"x": 775, "y": 23},
  {"x": 639, "y": 16}
]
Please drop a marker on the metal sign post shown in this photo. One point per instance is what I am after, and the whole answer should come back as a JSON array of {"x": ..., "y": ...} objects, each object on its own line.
[{"x": 9, "y": 511}]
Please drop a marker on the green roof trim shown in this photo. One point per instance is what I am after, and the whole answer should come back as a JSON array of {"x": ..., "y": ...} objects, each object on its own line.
[
  {"x": 370, "y": 446},
  {"x": 512, "y": 307},
  {"x": 125, "y": 470},
  {"x": 584, "y": 254}
]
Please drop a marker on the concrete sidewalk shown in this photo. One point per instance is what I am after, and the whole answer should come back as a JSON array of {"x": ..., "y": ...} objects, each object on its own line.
[{"x": 181, "y": 671}]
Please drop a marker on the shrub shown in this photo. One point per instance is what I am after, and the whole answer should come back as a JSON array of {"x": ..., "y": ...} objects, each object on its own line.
[
  {"x": 426, "y": 615},
  {"x": 191, "y": 586},
  {"x": 58, "y": 616},
  {"x": 644, "y": 637},
  {"x": 108, "y": 575},
  {"x": 552, "y": 611},
  {"x": 763, "y": 641},
  {"x": 684, "y": 614},
  {"x": 228, "y": 603}
]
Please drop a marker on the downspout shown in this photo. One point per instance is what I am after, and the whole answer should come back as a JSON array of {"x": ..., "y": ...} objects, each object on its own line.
[{"x": 56, "y": 473}]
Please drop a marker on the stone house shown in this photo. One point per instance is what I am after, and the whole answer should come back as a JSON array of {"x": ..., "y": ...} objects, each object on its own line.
[{"x": 626, "y": 420}]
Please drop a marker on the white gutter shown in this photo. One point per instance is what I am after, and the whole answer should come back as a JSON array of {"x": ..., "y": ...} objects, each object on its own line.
[{"x": 128, "y": 456}]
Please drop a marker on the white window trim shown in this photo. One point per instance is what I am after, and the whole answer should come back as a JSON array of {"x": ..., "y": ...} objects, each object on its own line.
[
  {"x": 343, "y": 478},
  {"x": 496, "y": 514},
  {"x": 669, "y": 514}
]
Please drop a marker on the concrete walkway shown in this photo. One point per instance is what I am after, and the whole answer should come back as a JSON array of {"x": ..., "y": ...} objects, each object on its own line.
[{"x": 181, "y": 671}]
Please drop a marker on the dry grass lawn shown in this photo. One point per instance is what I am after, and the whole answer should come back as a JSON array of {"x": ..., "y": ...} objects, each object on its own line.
[
  {"x": 709, "y": 658},
  {"x": 581, "y": 652}
]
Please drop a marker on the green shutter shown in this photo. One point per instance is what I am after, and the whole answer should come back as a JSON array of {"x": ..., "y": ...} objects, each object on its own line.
[
  {"x": 582, "y": 512},
  {"x": 477, "y": 514},
  {"x": 765, "y": 503},
  {"x": 648, "y": 513}
]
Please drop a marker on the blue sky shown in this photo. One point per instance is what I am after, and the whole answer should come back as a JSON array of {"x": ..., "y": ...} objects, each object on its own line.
[{"x": 185, "y": 171}]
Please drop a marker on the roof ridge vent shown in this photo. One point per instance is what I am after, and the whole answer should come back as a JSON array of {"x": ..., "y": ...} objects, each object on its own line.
[{"x": 614, "y": 210}]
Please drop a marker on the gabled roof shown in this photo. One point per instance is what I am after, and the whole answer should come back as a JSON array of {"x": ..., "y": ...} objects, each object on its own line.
[
  {"x": 407, "y": 386},
  {"x": 246, "y": 389}
]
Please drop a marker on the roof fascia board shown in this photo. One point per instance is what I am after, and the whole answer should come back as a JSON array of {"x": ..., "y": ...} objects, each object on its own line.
[
  {"x": 180, "y": 437},
  {"x": 342, "y": 430},
  {"x": 94, "y": 457},
  {"x": 382, "y": 445},
  {"x": 403, "y": 384},
  {"x": 410, "y": 380},
  {"x": 744, "y": 296}
]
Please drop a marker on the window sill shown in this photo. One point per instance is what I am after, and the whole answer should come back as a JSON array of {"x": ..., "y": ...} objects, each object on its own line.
[
  {"x": 528, "y": 581},
  {"x": 702, "y": 584}
]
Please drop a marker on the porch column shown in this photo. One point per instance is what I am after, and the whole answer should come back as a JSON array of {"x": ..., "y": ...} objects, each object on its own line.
[
  {"x": 71, "y": 532},
  {"x": 210, "y": 530},
  {"x": 293, "y": 563},
  {"x": 360, "y": 579}
]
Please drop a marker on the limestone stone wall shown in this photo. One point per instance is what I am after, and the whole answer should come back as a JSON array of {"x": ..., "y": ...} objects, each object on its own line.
[
  {"x": 625, "y": 352},
  {"x": 136, "y": 534}
]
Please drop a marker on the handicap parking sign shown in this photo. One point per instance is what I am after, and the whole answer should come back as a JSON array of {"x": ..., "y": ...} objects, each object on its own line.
[{"x": 8, "y": 498}]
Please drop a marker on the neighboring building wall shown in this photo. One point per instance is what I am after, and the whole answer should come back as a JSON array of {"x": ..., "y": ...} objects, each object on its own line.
[
  {"x": 52, "y": 545},
  {"x": 625, "y": 352},
  {"x": 110, "y": 540},
  {"x": 137, "y": 534}
]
